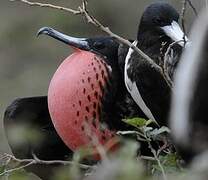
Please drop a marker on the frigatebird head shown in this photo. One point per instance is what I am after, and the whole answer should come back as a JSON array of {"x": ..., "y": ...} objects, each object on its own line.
[
  {"x": 161, "y": 19},
  {"x": 104, "y": 46}
]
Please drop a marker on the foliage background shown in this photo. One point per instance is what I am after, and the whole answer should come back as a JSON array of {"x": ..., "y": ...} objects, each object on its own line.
[{"x": 27, "y": 63}]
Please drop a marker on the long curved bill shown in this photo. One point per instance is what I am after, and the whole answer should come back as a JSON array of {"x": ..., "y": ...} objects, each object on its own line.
[
  {"x": 80, "y": 43},
  {"x": 175, "y": 32}
]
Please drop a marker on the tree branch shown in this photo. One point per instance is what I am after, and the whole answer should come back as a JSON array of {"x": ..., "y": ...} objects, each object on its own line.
[
  {"x": 153, "y": 151},
  {"x": 165, "y": 64},
  {"x": 91, "y": 19},
  {"x": 193, "y": 8},
  {"x": 96, "y": 23},
  {"x": 36, "y": 160},
  {"x": 182, "y": 16},
  {"x": 82, "y": 10},
  {"x": 38, "y": 4}
]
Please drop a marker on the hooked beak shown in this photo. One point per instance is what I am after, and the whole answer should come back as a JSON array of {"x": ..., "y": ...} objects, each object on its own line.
[
  {"x": 80, "y": 43},
  {"x": 175, "y": 32}
]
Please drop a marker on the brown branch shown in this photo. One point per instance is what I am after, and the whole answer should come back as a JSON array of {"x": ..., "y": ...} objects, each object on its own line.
[
  {"x": 82, "y": 10},
  {"x": 36, "y": 160},
  {"x": 38, "y": 4},
  {"x": 182, "y": 16},
  {"x": 165, "y": 64},
  {"x": 192, "y": 7},
  {"x": 91, "y": 19},
  {"x": 183, "y": 11}
]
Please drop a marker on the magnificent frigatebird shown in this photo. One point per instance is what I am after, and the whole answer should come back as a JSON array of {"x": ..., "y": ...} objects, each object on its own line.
[
  {"x": 188, "y": 119},
  {"x": 32, "y": 113},
  {"x": 157, "y": 30},
  {"x": 98, "y": 94}
]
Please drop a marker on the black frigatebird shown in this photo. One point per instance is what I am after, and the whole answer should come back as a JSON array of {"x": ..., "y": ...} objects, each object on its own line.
[
  {"x": 112, "y": 104},
  {"x": 157, "y": 30}
]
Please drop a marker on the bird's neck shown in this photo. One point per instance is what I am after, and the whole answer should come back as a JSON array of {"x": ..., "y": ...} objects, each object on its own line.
[{"x": 153, "y": 44}]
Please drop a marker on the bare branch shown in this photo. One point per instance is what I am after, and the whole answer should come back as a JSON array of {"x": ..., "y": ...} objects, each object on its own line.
[
  {"x": 165, "y": 64},
  {"x": 157, "y": 159},
  {"x": 16, "y": 169},
  {"x": 82, "y": 10},
  {"x": 183, "y": 11},
  {"x": 3, "y": 156},
  {"x": 49, "y": 6},
  {"x": 36, "y": 160},
  {"x": 193, "y": 8},
  {"x": 91, "y": 19},
  {"x": 148, "y": 158}
]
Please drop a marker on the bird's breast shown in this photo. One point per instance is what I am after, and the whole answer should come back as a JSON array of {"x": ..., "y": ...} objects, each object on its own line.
[{"x": 75, "y": 100}]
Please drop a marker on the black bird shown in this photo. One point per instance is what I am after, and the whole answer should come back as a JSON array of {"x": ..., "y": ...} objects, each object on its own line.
[
  {"x": 30, "y": 115},
  {"x": 26, "y": 115},
  {"x": 188, "y": 118},
  {"x": 157, "y": 30}
]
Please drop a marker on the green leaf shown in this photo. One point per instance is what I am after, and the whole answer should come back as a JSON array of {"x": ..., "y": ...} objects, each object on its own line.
[{"x": 137, "y": 122}]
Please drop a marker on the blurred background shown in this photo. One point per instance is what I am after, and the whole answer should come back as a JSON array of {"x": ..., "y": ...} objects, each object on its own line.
[{"x": 27, "y": 63}]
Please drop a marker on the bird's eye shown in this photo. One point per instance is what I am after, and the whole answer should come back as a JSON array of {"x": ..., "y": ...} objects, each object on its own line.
[
  {"x": 98, "y": 45},
  {"x": 158, "y": 21}
]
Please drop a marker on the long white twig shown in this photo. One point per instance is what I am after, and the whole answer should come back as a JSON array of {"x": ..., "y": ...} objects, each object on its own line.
[{"x": 36, "y": 160}]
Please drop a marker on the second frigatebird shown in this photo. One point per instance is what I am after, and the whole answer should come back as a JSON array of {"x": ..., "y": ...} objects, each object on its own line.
[{"x": 158, "y": 29}]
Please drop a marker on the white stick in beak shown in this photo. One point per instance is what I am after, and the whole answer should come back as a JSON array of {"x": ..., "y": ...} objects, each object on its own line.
[{"x": 175, "y": 33}]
